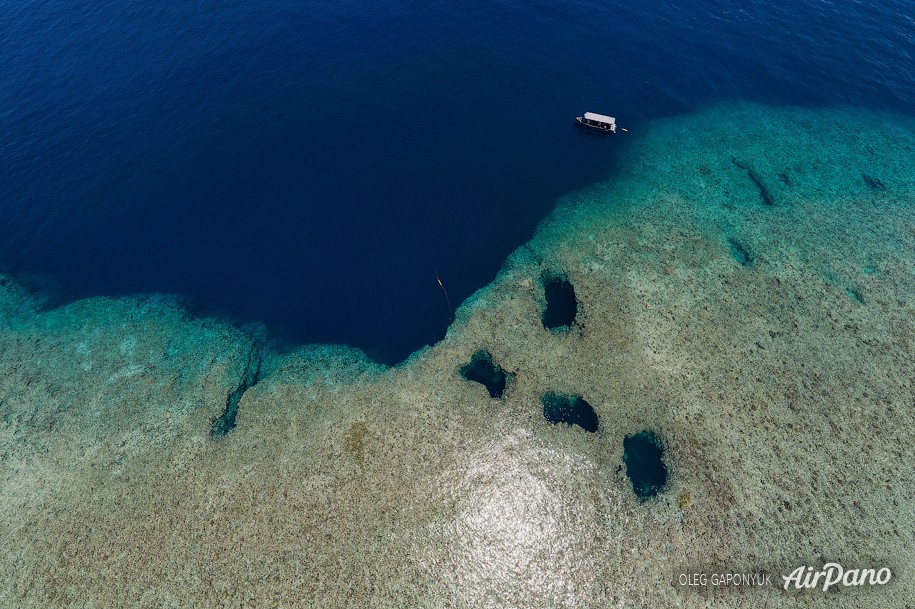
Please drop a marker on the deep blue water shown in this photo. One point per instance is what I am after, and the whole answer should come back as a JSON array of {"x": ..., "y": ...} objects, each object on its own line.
[{"x": 312, "y": 165}]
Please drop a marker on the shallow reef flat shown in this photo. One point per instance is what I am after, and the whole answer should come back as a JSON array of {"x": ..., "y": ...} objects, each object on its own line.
[{"x": 742, "y": 288}]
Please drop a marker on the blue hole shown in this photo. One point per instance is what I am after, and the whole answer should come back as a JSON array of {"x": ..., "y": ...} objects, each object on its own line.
[
  {"x": 561, "y": 303},
  {"x": 570, "y": 409},
  {"x": 643, "y": 454},
  {"x": 481, "y": 369}
]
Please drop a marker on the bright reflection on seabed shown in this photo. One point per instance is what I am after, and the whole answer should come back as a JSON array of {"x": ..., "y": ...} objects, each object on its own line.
[{"x": 515, "y": 527}]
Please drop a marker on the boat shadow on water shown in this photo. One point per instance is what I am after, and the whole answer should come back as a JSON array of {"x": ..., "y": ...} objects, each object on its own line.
[{"x": 585, "y": 131}]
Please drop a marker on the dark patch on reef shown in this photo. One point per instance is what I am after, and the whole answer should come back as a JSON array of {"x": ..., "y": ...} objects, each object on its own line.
[
  {"x": 481, "y": 369},
  {"x": 740, "y": 253},
  {"x": 569, "y": 409},
  {"x": 643, "y": 454},
  {"x": 855, "y": 295},
  {"x": 784, "y": 178},
  {"x": 754, "y": 177},
  {"x": 873, "y": 183},
  {"x": 250, "y": 377},
  {"x": 561, "y": 303}
]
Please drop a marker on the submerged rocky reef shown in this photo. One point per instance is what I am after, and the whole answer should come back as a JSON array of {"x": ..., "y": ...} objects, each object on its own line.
[{"x": 742, "y": 289}]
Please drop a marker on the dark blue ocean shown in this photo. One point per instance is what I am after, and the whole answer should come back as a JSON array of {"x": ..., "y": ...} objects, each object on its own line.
[{"x": 313, "y": 165}]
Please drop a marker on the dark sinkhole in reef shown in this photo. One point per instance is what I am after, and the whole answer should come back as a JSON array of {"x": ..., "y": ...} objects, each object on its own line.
[
  {"x": 740, "y": 253},
  {"x": 571, "y": 409},
  {"x": 251, "y": 375},
  {"x": 855, "y": 295},
  {"x": 643, "y": 454},
  {"x": 561, "y": 303},
  {"x": 481, "y": 369}
]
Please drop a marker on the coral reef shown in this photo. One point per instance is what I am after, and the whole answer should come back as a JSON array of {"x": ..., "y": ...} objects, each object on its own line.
[{"x": 783, "y": 400}]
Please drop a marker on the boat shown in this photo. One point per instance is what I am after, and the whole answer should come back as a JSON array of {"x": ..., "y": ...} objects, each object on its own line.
[{"x": 600, "y": 122}]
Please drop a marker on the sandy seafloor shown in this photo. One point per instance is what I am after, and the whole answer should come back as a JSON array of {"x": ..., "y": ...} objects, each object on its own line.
[{"x": 770, "y": 346}]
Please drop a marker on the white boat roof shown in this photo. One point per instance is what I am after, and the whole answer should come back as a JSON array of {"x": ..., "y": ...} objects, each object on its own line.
[{"x": 600, "y": 118}]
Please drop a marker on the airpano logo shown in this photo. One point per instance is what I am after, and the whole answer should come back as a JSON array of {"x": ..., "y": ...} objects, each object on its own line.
[
  {"x": 833, "y": 574},
  {"x": 831, "y": 577}
]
